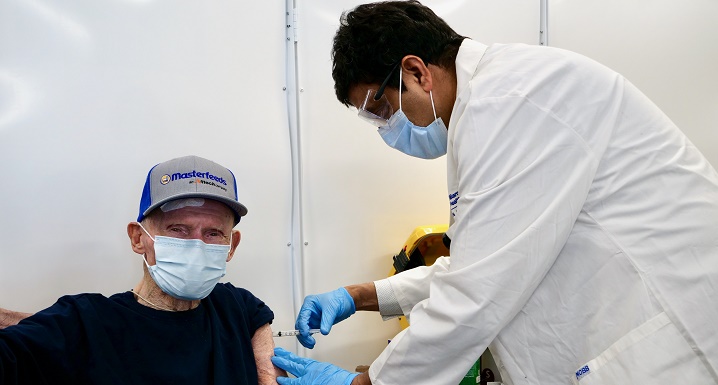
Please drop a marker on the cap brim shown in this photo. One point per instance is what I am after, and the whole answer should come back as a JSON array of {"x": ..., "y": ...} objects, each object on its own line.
[{"x": 239, "y": 209}]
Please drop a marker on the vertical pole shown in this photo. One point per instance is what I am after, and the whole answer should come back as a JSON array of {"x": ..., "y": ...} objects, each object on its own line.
[
  {"x": 295, "y": 244},
  {"x": 543, "y": 24}
]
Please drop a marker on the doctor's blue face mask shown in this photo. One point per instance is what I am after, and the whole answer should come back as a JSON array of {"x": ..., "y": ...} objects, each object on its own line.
[{"x": 399, "y": 132}]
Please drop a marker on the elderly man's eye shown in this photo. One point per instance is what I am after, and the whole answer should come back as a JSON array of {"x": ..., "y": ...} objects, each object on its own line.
[
  {"x": 177, "y": 230},
  {"x": 216, "y": 237},
  {"x": 214, "y": 234}
]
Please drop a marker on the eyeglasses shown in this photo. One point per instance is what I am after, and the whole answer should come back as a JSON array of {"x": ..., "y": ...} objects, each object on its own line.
[
  {"x": 376, "y": 108},
  {"x": 376, "y": 112}
]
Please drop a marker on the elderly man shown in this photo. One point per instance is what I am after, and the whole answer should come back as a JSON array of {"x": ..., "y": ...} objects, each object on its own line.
[{"x": 178, "y": 325}]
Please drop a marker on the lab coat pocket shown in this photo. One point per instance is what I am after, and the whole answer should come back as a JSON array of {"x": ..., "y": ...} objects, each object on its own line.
[{"x": 653, "y": 353}]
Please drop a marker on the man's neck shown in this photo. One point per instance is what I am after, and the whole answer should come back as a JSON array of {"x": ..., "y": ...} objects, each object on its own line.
[{"x": 149, "y": 294}]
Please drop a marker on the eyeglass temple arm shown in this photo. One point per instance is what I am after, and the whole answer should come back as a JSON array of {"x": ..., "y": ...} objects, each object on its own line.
[{"x": 380, "y": 91}]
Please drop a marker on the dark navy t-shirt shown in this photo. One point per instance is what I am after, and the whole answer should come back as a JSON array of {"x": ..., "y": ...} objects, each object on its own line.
[{"x": 92, "y": 339}]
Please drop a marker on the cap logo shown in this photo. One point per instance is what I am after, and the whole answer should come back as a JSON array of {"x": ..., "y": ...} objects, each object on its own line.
[
  {"x": 194, "y": 175},
  {"x": 200, "y": 181},
  {"x": 165, "y": 179}
]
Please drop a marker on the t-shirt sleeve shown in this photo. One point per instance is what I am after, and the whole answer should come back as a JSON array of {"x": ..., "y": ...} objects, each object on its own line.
[
  {"x": 258, "y": 313},
  {"x": 37, "y": 346}
]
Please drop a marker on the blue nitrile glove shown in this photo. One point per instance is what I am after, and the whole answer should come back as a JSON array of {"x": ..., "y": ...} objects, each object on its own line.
[
  {"x": 308, "y": 371},
  {"x": 322, "y": 311}
]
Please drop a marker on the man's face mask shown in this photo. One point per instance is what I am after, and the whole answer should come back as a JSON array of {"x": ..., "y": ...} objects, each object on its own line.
[
  {"x": 399, "y": 132},
  {"x": 187, "y": 269}
]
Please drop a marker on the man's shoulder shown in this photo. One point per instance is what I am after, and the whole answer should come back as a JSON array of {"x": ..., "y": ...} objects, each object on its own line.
[
  {"x": 68, "y": 308},
  {"x": 84, "y": 302},
  {"x": 90, "y": 298},
  {"x": 225, "y": 289},
  {"x": 226, "y": 293},
  {"x": 510, "y": 61}
]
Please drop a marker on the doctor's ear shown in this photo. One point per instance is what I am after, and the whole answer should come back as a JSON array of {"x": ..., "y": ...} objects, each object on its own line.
[{"x": 415, "y": 71}]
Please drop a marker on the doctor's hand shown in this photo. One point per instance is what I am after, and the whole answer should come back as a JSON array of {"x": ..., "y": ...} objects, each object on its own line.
[
  {"x": 322, "y": 311},
  {"x": 308, "y": 371}
]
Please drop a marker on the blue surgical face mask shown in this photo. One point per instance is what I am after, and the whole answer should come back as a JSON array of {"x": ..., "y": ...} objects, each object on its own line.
[
  {"x": 422, "y": 142},
  {"x": 187, "y": 269}
]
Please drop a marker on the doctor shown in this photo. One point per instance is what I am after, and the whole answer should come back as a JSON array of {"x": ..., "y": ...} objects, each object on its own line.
[{"x": 584, "y": 224}]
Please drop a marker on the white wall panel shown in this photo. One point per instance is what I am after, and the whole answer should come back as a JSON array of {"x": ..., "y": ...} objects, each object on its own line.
[
  {"x": 361, "y": 198},
  {"x": 94, "y": 93},
  {"x": 668, "y": 49}
]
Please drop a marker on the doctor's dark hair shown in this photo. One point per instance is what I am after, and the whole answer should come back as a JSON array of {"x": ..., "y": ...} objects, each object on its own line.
[{"x": 373, "y": 38}]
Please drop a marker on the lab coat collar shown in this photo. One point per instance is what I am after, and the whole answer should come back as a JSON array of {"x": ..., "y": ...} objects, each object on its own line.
[{"x": 467, "y": 62}]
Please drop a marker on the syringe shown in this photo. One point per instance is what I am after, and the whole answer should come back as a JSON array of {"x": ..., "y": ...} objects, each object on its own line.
[{"x": 288, "y": 333}]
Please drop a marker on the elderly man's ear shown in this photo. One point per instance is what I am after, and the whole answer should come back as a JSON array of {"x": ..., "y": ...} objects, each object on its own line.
[
  {"x": 236, "y": 237},
  {"x": 134, "y": 231}
]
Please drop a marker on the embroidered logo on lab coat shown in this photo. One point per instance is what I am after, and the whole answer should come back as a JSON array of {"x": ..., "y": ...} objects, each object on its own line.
[
  {"x": 582, "y": 372},
  {"x": 453, "y": 201}
]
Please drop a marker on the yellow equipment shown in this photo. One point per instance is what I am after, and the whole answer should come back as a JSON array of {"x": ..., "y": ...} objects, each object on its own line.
[{"x": 422, "y": 248}]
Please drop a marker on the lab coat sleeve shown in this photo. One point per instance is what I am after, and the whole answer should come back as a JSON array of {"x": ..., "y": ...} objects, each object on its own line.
[
  {"x": 406, "y": 289},
  {"x": 523, "y": 175}
]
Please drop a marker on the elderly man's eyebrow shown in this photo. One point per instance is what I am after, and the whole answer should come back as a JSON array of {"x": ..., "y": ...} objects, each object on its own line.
[
  {"x": 216, "y": 229},
  {"x": 175, "y": 224}
]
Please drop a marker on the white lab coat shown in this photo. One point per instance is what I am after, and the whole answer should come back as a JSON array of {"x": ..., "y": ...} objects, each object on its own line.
[{"x": 584, "y": 235}]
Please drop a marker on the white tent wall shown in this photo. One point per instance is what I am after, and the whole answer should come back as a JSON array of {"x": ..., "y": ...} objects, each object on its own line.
[
  {"x": 668, "y": 49},
  {"x": 94, "y": 93}
]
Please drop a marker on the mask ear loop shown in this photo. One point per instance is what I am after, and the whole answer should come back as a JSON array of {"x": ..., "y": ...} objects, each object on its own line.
[
  {"x": 431, "y": 96},
  {"x": 400, "y": 83},
  {"x": 144, "y": 256},
  {"x": 146, "y": 232},
  {"x": 432, "y": 104}
]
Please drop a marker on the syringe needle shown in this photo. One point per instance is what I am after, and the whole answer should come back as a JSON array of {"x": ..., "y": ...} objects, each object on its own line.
[{"x": 288, "y": 333}]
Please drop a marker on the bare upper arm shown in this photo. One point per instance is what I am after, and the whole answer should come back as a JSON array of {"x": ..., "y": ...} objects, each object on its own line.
[{"x": 263, "y": 346}]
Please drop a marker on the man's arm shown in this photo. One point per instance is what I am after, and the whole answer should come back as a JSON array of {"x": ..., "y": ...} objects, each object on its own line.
[
  {"x": 9, "y": 317},
  {"x": 263, "y": 346},
  {"x": 364, "y": 296},
  {"x": 362, "y": 379}
]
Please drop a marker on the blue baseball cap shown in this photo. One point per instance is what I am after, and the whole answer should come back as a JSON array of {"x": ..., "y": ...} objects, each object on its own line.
[{"x": 190, "y": 177}]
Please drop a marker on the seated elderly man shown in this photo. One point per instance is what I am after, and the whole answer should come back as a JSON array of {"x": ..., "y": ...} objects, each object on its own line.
[{"x": 178, "y": 325}]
